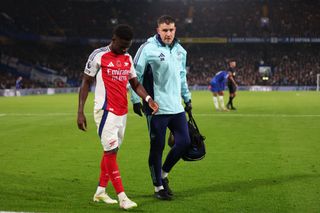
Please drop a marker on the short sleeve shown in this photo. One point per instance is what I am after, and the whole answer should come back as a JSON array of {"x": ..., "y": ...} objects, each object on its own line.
[{"x": 93, "y": 64}]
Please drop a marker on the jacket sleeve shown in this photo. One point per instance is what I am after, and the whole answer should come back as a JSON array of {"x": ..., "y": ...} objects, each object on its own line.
[
  {"x": 185, "y": 93},
  {"x": 140, "y": 61}
]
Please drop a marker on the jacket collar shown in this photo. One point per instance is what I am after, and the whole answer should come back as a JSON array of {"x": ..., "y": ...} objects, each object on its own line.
[{"x": 175, "y": 40}]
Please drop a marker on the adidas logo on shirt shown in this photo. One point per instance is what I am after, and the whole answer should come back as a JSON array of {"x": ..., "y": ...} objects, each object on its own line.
[{"x": 110, "y": 64}]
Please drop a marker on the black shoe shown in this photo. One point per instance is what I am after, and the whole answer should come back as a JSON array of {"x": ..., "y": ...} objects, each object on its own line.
[
  {"x": 165, "y": 183},
  {"x": 162, "y": 195},
  {"x": 233, "y": 108}
]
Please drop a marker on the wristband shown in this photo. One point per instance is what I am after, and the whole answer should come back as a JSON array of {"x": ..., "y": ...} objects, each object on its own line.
[{"x": 147, "y": 98}]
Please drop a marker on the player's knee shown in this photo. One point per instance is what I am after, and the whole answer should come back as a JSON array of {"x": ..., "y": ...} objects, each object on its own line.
[
  {"x": 156, "y": 145},
  {"x": 109, "y": 152}
]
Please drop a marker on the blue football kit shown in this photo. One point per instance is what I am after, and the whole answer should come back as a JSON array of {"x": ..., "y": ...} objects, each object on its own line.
[{"x": 218, "y": 82}]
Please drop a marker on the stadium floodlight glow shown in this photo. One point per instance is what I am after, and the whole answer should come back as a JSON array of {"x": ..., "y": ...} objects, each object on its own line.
[{"x": 318, "y": 82}]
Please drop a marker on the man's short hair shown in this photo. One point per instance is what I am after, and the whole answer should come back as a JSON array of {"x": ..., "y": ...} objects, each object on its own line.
[
  {"x": 165, "y": 19},
  {"x": 231, "y": 60},
  {"x": 123, "y": 31}
]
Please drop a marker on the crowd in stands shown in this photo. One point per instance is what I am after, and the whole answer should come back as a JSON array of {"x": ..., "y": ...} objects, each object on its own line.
[
  {"x": 292, "y": 64},
  {"x": 79, "y": 18}
]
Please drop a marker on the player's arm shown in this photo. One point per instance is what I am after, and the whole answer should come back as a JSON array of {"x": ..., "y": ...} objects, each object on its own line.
[
  {"x": 139, "y": 90},
  {"x": 230, "y": 76},
  {"x": 83, "y": 94},
  {"x": 90, "y": 71}
]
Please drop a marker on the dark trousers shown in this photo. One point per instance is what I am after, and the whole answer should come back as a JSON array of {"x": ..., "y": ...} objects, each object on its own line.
[{"x": 157, "y": 125}]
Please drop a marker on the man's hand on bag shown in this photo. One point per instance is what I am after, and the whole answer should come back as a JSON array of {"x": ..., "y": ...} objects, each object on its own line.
[{"x": 188, "y": 107}]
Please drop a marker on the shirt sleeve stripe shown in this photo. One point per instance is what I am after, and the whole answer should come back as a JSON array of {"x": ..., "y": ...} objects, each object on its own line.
[{"x": 102, "y": 49}]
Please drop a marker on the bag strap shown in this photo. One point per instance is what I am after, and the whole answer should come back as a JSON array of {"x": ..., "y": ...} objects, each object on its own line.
[{"x": 191, "y": 119}]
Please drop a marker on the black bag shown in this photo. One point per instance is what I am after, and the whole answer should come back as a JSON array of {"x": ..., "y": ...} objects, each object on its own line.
[{"x": 197, "y": 149}]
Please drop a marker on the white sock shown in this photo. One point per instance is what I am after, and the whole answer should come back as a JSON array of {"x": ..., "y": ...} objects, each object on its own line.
[
  {"x": 100, "y": 190},
  {"x": 164, "y": 174},
  {"x": 221, "y": 101},
  {"x": 215, "y": 102},
  {"x": 122, "y": 196},
  {"x": 158, "y": 188}
]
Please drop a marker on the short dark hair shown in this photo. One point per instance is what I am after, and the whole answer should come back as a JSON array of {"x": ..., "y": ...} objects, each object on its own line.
[
  {"x": 231, "y": 60},
  {"x": 123, "y": 31},
  {"x": 165, "y": 19}
]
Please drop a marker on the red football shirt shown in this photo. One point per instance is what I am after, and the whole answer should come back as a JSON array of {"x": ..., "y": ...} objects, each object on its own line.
[{"x": 112, "y": 74}]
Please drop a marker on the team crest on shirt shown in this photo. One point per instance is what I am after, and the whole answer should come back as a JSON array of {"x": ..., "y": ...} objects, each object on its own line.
[
  {"x": 162, "y": 57},
  {"x": 118, "y": 63}
]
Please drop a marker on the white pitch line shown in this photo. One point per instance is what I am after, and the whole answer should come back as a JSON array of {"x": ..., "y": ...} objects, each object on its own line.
[
  {"x": 13, "y": 212},
  {"x": 223, "y": 114},
  {"x": 38, "y": 114},
  {"x": 256, "y": 115}
]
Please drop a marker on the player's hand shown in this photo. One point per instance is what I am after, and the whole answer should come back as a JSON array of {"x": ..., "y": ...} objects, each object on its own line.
[
  {"x": 153, "y": 105},
  {"x": 137, "y": 108},
  {"x": 82, "y": 121},
  {"x": 188, "y": 107}
]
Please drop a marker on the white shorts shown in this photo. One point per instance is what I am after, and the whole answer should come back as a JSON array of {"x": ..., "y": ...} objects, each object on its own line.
[{"x": 110, "y": 128}]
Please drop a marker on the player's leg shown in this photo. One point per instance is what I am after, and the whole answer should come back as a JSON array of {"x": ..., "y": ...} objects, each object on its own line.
[
  {"x": 232, "y": 92},
  {"x": 157, "y": 125},
  {"x": 179, "y": 127},
  {"x": 101, "y": 194},
  {"x": 216, "y": 102},
  {"x": 221, "y": 100},
  {"x": 232, "y": 96},
  {"x": 111, "y": 134},
  {"x": 116, "y": 180},
  {"x": 220, "y": 94},
  {"x": 214, "y": 90},
  {"x": 230, "y": 104}
]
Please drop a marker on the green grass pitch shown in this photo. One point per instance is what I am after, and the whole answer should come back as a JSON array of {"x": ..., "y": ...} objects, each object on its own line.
[{"x": 264, "y": 157}]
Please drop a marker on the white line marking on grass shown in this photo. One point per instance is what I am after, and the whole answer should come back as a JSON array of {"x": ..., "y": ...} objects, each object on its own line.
[
  {"x": 39, "y": 114},
  {"x": 257, "y": 115},
  {"x": 14, "y": 212},
  {"x": 223, "y": 114}
]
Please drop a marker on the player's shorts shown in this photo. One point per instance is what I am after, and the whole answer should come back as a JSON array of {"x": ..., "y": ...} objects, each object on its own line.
[
  {"x": 216, "y": 87},
  {"x": 110, "y": 128},
  {"x": 232, "y": 88}
]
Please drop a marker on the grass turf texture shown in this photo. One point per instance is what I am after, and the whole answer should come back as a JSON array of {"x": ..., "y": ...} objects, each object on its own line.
[{"x": 264, "y": 157}]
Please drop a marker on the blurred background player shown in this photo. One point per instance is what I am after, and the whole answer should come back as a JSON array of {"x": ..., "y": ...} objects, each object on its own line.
[
  {"x": 217, "y": 85},
  {"x": 112, "y": 68},
  {"x": 18, "y": 86},
  {"x": 231, "y": 85}
]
